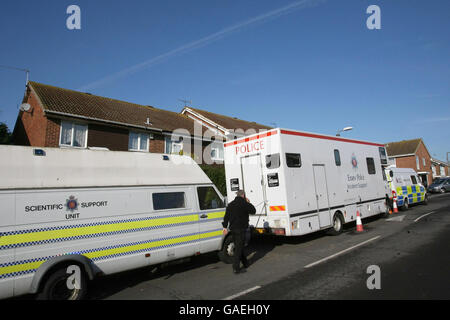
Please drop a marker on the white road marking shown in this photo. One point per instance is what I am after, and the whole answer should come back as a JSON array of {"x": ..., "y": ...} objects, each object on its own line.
[
  {"x": 399, "y": 218},
  {"x": 341, "y": 252},
  {"x": 423, "y": 216},
  {"x": 237, "y": 295}
]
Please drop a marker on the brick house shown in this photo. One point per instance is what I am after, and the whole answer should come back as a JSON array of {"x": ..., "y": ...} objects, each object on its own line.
[
  {"x": 439, "y": 168},
  {"x": 62, "y": 118},
  {"x": 411, "y": 154}
]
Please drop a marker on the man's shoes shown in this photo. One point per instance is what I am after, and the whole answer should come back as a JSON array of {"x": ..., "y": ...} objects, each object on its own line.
[
  {"x": 246, "y": 264},
  {"x": 238, "y": 271}
]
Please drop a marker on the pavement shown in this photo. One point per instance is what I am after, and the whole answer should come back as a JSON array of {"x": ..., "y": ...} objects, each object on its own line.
[{"x": 411, "y": 249}]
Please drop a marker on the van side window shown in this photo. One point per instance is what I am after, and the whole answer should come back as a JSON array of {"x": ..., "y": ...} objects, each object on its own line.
[
  {"x": 413, "y": 180},
  {"x": 209, "y": 199},
  {"x": 273, "y": 161},
  {"x": 337, "y": 158},
  {"x": 293, "y": 160},
  {"x": 371, "y": 166},
  {"x": 170, "y": 200},
  {"x": 383, "y": 156}
]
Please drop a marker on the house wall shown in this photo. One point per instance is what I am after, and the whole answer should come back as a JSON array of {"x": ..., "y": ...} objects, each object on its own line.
[
  {"x": 115, "y": 139},
  {"x": 31, "y": 126},
  {"x": 410, "y": 162}
]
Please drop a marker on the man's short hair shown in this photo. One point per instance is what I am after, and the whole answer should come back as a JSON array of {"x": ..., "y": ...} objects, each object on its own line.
[{"x": 240, "y": 193}]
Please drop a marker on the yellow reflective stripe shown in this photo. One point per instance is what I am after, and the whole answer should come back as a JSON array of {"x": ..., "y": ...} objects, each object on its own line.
[
  {"x": 121, "y": 250},
  {"x": 21, "y": 267},
  {"x": 115, "y": 251},
  {"x": 93, "y": 230},
  {"x": 211, "y": 234},
  {"x": 216, "y": 215}
]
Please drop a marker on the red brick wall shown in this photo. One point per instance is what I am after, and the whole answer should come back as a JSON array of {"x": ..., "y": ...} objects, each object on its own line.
[
  {"x": 157, "y": 144},
  {"x": 31, "y": 126},
  {"x": 52, "y": 133},
  {"x": 115, "y": 139}
]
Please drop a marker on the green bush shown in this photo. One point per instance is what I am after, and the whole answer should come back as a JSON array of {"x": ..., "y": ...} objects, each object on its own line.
[
  {"x": 216, "y": 174},
  {"x": 5, "y": 134}
]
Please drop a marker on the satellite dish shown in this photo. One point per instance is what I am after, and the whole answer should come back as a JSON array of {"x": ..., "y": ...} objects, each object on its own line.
[{"x": 25, "y": 107}]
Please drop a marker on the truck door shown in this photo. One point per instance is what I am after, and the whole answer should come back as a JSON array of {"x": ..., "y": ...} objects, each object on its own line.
[
  {"x": 321, "y": 189},
  {"x": 253, "y": 182},
  {"x": 212, "y": 211}
]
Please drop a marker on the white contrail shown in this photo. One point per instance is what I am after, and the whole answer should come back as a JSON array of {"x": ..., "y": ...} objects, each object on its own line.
[{"x": 203, "y": 41}]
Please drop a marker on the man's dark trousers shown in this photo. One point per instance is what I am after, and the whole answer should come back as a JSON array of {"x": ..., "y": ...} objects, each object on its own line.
[{"x": 239, "y": 246}]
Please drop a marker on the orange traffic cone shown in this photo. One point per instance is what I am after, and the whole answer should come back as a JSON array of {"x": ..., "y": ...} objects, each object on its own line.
[
  {"x": 359, "y": 225},
  {"x": 395, "y": 205}
]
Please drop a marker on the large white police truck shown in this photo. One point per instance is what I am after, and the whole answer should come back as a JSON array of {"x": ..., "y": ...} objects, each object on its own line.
[
  {"x": 304, "y": 182},
  {"x": 68, "y": 216}
]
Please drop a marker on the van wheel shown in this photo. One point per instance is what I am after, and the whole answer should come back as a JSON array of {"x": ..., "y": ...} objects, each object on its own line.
[
  {"x": 56, "y": 288},
  {"x": 227, "y": 252},
  {"x": 338, "y": 225}
]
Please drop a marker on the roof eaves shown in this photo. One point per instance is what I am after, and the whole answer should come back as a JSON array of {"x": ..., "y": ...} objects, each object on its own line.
[{"x": 100, "y": 120}]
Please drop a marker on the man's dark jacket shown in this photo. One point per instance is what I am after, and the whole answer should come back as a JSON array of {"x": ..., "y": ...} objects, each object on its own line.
[{"x": 237, "y": 214}]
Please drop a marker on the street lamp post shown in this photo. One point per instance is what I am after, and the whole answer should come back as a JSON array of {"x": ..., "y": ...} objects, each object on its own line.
[{"x": 343, "y": 130}]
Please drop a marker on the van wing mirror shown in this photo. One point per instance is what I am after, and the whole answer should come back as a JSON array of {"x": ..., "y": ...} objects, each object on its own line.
[{"x": 391, "y": 174}]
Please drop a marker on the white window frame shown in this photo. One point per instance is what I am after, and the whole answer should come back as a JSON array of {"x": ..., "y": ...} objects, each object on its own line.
[
  {"x": 73, "y": 124},
  {"x": 418, "y": 162},
  {"x": 217, "y": 148},
  {"x": 139, "y": 134},
  {"x": 168, "y": 140}
]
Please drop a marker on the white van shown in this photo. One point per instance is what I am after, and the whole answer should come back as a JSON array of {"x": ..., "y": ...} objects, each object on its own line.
[
  {"x": 303, "y": 182},
  {"x": 79, "y": 214},
  {"x": 406, "y": 185}
]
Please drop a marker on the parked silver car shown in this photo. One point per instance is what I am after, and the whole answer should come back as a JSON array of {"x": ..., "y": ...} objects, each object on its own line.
[{"x": 440, "y": 185}]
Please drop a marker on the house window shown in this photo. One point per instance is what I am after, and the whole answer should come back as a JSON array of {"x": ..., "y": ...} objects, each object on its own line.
[
  {"x": 424, "y": 163},
  {"x": 174, "y": 147},
  {"x": 138, "y": 142},
  {"x": 417, "y": 163},
  {"x": 217, "y": 151},
  {"x": 442, "y": 171},
  {"x": 73, "y": 135}
]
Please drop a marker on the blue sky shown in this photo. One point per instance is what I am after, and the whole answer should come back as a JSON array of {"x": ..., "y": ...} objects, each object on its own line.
[{"x": 314, "y": 68}]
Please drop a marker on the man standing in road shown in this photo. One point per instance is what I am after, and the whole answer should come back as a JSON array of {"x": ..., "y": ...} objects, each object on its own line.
[{"x": 236, "y": 220}]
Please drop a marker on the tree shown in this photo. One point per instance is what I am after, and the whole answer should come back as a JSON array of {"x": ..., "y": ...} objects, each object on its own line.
[{"x": 5, "y": 134}]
